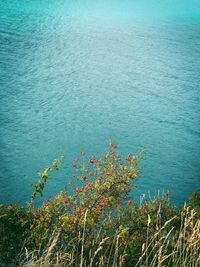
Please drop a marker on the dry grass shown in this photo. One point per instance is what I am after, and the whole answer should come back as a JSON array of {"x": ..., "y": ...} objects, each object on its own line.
[
  {"x": 173, "y": 248},
  {"x": 166, "y": 247}
]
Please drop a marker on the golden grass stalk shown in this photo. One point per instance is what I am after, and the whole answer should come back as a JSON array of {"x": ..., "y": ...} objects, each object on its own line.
[{"x": 169, "y": 247}]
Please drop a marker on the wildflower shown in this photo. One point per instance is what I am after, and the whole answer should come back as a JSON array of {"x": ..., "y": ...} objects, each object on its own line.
[
  {"x": 113, "y": 145},
  {"x": 112, "y": 159},
  {"x": 129, "y": 202},
  {"x": 82, "y": 153},
  {"x": 88, "y": 185},
  {"x": 84, "y": 177},
  {"x": 74, "y": 165},
  {"x": 69, "y": 182},
  {"x": 78, "y": 190},
  {"x": 65, "y": 202}
]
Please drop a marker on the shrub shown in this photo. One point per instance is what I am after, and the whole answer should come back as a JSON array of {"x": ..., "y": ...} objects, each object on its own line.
[
  {"x": 14, "y": 229},
  {"x": 103, "y": 185}
]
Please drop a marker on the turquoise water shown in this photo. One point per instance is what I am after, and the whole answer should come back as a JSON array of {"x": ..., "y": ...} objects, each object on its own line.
[{"x": 76, "y": 73}]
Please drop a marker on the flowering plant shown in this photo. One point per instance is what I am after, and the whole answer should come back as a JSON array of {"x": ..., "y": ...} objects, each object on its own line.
[{"x": 103, "y": 185}]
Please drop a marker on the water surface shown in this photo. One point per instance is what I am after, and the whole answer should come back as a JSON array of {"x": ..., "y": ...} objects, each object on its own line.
[{"x": 76, "y": 73}]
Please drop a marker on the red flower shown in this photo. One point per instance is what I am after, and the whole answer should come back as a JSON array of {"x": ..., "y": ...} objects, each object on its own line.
[
  {"x": 65, "y": 202},
  {"x": 113, "y": 145},
  {"x": 74, "y": 165},
  {"x": 129, "y": 202},
  {"x": 88, "y": 185},
  {"x": 91, "y": 161},
  {"x": 78, "y": 190},
  {"x": 84, "y": 177}
]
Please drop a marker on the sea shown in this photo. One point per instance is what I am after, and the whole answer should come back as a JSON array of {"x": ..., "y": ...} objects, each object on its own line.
[{"x": 75, "y": 74}]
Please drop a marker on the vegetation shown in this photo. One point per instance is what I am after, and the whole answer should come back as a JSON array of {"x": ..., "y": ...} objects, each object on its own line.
[{"x": 97, "y": 224}]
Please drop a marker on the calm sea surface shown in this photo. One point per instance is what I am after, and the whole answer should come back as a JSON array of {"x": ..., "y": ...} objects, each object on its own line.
[{"x": 76, "y": 73}]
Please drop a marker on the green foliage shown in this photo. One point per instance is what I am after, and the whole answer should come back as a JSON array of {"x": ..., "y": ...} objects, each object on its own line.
[
  {"x": 44, "y": 176},
  {"x": 194, "y": 200},
  {"x": 14, "y": 229}
]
